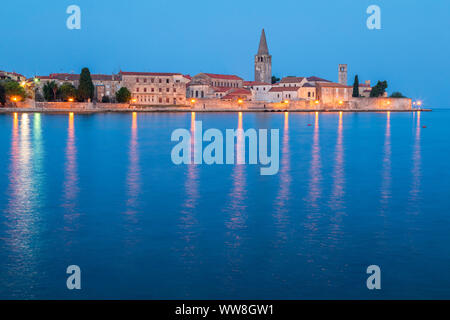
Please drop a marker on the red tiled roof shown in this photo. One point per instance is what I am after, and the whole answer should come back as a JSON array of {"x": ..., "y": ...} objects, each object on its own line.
[
  {"x": 13, "y": 73},
  {"x": 283, "y": 89},
  {"x": 164, "y": 74},
  {"x": 222, "y": 89},
  {"x": 223, "y": 76},
  {"x": 317, "y": 79},
  {"x": 332, "y": 85},
  {"x": 364, "y": 85},
  {"x": 187, "y": 76},
  {"x": 237, "y": 93},
  {"x": 292, "y": 79}
]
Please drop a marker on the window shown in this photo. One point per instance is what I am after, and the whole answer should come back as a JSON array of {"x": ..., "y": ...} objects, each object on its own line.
[
  {"x": 167, "y": 81},
  {"x": 160, "y": 90},
  {"x": 152, "y": 80},
  {"x": 153, "y": 89},
  {"x": 167, "y": 89},
  {"x": 145, "y": 79},
  {"x": 137, "y": 79},
  {"x": 174, "y": 90},
  {"x": 160, "y": 80},
  {"x": 145, "y": 89},
  {"x": 137, "y": 89},
  {"x": 160, "y": 100},
  {"x": 167, "y": 100}
]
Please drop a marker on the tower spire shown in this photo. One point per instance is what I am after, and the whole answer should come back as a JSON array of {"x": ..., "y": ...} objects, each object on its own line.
[{"x": 263, "y": 49}]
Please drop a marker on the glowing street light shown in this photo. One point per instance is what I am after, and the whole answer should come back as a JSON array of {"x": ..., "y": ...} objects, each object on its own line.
[
  {"x": 240, "y": 101},
  {"x": 134, "y": 100},
  {"x": 15, "y": 98},
  {"x": 316, "y": 102},
  {"x": 286, "y": 101},
  {"x": 70, "y": 99},
  {"x": 341, "y": 102},
  {"x": 193, "y": 101}
]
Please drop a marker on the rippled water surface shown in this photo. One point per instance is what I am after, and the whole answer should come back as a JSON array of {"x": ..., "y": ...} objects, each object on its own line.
[{"x": 100, "y": 191}]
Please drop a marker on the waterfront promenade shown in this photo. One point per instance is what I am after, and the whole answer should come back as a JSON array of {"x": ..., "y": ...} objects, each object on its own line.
[{"x": 213, "y": 105}]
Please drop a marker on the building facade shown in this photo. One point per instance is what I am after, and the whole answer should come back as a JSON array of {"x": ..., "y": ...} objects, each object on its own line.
[
  {"x": 151, "y": 88},
  {"x": 210, "y": 85},
  {"x": 333, "y": 93}
]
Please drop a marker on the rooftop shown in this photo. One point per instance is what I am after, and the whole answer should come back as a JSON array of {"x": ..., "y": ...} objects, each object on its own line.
[{"x": 223, "y": 76}]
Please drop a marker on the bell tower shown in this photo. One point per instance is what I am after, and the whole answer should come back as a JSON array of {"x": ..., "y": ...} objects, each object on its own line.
[
  {"x": 263, "y": 61},
  {"x": 343, "y": 74}
]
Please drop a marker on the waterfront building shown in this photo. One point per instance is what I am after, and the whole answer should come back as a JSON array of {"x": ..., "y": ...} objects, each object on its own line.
[
  {"x": 14, "y": 76},
  {"x": 365, "y": 89},
  {"x": 105, "y": 85},
  {"x": 259, "y": 90},
  {"x": 210, "y": 85},
  {"x": 152, "y": 88},
  {"x": 330, "y": 93}
]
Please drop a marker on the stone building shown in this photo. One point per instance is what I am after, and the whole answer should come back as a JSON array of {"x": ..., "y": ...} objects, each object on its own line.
[
  {"x": 330, "y": 93},
  {"x": 307, "y": 92},
  {"x": 259, "y": 90},
  {"x": 280, "y": 93},
  {"x": 14, "y": 76},
  {"x": 263, "y": 61},
  {"x": 105, "y": 85},
  {"x": 365, "y": 89},
  {"x": 210, "y": 85},
  {"x": 151, "y": 88},
  {"x": 292, "y": 81}
]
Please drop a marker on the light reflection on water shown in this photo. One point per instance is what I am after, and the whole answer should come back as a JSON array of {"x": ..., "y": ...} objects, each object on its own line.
[
  {"x": 236, "y": 210},
  {"x": 306, "y": 220}
]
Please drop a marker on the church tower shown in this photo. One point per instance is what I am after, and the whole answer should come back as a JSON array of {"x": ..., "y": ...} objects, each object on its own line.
[
  {"x": 263, "y": 61},
  {"x": 343, "y": 74}
]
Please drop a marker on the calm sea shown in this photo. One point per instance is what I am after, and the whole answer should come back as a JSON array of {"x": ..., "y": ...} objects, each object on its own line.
[{"x": 101, "y": 192}]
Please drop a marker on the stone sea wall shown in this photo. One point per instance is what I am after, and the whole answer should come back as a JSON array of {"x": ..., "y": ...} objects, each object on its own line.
[{"x": 356, "y": 104}]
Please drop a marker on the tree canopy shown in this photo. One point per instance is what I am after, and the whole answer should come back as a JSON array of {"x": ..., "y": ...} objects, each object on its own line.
[
  {"x": 50, "y": 90},
  {"x": 275, "y": 79},
  {"x": 356, "y": 87},
  {"x": 13, "y": 88},
  {"x": 2, "y": 95},
  {"x": 379, "y": 89},
  {"x": 397, "y": 94},
  {"x": 123, "y": 95},
  {"x": 86, "y": 87},
  {"x": 67, "y": 91}
]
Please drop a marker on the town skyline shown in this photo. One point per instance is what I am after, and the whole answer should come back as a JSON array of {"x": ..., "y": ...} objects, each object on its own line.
[{"x": 399, "y": 52}]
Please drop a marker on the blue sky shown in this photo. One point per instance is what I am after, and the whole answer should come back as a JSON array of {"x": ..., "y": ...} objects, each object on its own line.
[{"x": 305, "y": 38}]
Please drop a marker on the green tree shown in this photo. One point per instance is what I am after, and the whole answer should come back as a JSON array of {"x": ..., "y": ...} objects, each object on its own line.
[
  {"x": 275, "y": 79},
  {"x": 13, "y": 88},
  {"x": 123, "y": 95},
  {"x": 379, "y": 89},
  {"x": 356, "y": 87},
  {"x": 2, "y": 95},
  {"x": 50, "y": 90},
  {"x": 397, "y": 94},
  {"x": 66, "y": 91},
  {"x": 86, "y": 87}
]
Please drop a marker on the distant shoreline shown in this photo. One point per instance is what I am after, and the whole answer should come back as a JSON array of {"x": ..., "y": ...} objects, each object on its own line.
[{"x": 185, "y": 110}]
